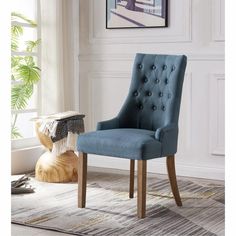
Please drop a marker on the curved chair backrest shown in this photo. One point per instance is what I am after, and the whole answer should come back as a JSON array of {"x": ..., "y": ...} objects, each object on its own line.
[{"x": 155, "y": 92}]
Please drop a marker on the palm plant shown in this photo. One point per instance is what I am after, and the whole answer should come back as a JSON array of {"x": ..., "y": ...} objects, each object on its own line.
[{"x": 24, "y": 71}]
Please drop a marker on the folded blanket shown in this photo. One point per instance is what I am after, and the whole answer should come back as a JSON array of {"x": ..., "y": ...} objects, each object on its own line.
[{"x": 63, "y": 129}]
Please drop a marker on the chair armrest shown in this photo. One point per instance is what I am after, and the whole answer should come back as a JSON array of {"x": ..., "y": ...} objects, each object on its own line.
[
  {"x": 108, "y": 124},
  {"x": 164, "y": 131},
  {"x": 168, "y": 136}
]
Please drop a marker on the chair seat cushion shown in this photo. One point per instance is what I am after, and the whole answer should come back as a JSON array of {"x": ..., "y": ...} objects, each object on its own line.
[{"x": 137, "y": 144}]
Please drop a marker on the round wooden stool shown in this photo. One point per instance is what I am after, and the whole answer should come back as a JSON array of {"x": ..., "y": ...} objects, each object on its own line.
[{"x": 55, "y": 169}]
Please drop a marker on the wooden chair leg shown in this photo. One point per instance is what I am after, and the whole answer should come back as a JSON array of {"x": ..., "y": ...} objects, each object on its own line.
[
  {"x": 82, "y": 179},
  {"x": 142, "y": 179},
  {"x": 170, "y": 162},
  {"x": 131, "y": 179}
]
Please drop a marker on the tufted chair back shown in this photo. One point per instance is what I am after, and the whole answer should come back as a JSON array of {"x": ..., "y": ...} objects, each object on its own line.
[{"x": 155, "y": 92}]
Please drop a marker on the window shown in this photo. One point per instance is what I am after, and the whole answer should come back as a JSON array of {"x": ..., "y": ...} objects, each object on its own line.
[{"x": 25, "y": 71}]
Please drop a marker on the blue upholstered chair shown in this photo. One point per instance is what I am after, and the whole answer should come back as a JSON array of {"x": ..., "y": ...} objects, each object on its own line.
[{"x": 145, "y": 128}]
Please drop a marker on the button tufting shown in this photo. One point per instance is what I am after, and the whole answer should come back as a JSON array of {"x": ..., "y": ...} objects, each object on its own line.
[
  {"x": 149, "y": 93},
  {"x": 157, "y": 81},
  {"x": 160, "y": 94},
  {"x": 153, "y": 67},
  {"x": 166, "y": 81},
  {"x": 135, "y": 93},
  {"x": 145, "y": 80},
  {"x": 163, "y": 108},
  {"x": 140, "y": 66},
  {"x": 154, "y": 107},
  {"x": 169, "y": 95},
  {"x": 140, "y": 107},
  {"x": 164, "y": 67},
  {"x": 173, "y": 68}
]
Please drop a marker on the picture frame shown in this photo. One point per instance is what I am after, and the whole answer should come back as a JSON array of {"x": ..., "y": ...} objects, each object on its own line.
[{"x": 133, "y": 14}]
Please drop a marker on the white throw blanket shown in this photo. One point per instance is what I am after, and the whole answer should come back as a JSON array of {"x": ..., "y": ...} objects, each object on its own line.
[{"x": 62, "y": 128}]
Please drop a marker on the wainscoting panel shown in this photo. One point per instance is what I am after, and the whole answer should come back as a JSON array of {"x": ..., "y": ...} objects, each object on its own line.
[
  {"x": 218, "y": 20},
  {"x": 185, "y": 119},
  {"x": 107, "y": 92},
  {"x": 217, "y": 119},
  {"x": 179, "y": 27}
]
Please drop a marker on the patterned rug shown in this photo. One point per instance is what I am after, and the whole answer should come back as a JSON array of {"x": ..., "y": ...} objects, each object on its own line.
[{"x": 109, "y": 211}]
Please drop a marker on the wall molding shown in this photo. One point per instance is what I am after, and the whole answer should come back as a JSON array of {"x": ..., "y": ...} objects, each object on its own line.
[
  {"x": 218, "y": 20},
  {"x": 215, "y": 148},
  {"x": 92, "y": 76},
  {"x": 155, "y": 36},
  {"x": 130, "y": 57},
  {"x": 186, "y": 112}
]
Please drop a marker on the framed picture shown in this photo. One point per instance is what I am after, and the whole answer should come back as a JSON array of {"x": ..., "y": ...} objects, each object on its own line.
[{"x": 122, "y": 14}]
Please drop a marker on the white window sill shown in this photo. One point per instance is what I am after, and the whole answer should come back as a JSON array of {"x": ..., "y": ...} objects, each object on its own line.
[
  {"x": 26, "y": 148},
  {"x": 23, "y": 160},
  {"x": 26, "y": 143}
]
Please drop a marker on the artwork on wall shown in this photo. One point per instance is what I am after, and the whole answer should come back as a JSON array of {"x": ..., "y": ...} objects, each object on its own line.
[{"x": 122, "y": 14}]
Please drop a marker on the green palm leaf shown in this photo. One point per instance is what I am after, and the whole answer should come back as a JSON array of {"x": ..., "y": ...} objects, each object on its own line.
[
  {"x": 15, "y": 61},
  {"x": 16, "y": 16},
  {"x": 16, "y": 30},
  {"x": 29, "y": 61},
  {"x": 31, "y": 45},
  {"x": 29, "y": 74},
  {"x": 15, "y": 133},
  {"x": 20, "y": 94},
  {"x": 14, "y": 43}
]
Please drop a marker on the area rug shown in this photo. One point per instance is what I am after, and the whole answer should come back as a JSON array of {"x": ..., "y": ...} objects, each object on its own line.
[{"x": 109, "y": 211}]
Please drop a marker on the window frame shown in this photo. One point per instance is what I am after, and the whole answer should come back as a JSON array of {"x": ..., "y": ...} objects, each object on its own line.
[{"x": 23, "y": 143}]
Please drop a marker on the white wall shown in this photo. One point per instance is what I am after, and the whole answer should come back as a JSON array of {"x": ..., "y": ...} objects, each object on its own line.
[{"x": 196, "y": 28}]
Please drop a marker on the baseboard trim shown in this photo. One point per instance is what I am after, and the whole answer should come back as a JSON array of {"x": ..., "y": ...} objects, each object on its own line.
[
  {"x": 24, "y": 160},
  {"x": 159, "y": 167}
]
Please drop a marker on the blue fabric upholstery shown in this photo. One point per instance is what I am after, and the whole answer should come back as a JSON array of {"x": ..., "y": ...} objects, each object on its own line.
[
  {"x": 137, "y": 144},
  {"x": 147, "y": 125}
]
